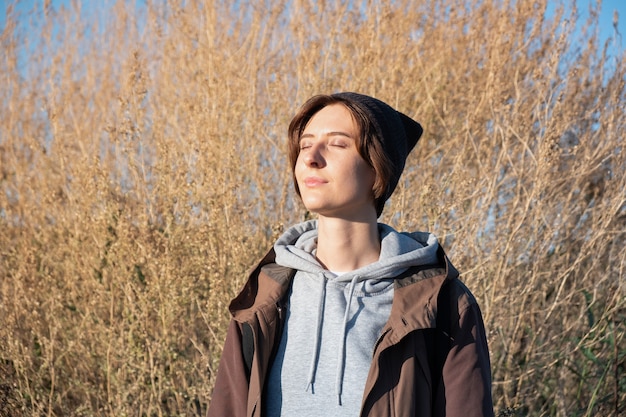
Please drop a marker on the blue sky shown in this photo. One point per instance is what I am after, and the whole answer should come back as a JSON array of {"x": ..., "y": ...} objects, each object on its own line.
[
  {"x": 606, "y": 18},
  {"x": 606, "y": 27}
]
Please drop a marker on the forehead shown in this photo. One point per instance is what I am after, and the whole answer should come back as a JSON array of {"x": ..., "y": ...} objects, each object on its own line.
[{"x": 332, "y": 118}]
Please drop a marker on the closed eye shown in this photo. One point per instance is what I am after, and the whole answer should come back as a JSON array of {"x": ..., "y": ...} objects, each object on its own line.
[{"x": 339, "y": 143}]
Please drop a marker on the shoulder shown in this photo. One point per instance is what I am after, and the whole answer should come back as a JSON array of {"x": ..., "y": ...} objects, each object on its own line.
[
  {"x": 458, "y": 313},
  {"x": 456, "y": 295},
  {"x": 453, "y": 293}
]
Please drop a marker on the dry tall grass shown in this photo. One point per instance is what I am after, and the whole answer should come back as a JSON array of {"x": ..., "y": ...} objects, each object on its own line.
[{"x": 143, "y": 171}]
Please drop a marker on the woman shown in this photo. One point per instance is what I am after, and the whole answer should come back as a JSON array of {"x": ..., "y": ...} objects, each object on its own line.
[{"x": 345, "y": 315}]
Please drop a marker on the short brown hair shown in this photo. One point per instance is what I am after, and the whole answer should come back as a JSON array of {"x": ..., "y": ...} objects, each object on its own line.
[{"x": 368, "y": 144}]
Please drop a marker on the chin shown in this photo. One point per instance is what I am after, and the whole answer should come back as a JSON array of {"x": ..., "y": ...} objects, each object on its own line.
[{"x": 313, "y": 205}]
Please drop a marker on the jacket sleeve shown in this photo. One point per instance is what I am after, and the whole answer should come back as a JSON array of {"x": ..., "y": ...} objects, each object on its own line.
[
  {"x": 467, "y": 369},
  {"x": 230, "y": 393}
]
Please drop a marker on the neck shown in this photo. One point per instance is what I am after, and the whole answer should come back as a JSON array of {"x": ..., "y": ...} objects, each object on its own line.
[{"x": 346, "y": 245}]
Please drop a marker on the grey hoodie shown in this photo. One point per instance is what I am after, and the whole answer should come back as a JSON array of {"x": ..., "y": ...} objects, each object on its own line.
[{"x": 333, "y": 322}]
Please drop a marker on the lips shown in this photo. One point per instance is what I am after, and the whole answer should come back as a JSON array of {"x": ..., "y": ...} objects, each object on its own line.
[{"x": 314, "y": 181}]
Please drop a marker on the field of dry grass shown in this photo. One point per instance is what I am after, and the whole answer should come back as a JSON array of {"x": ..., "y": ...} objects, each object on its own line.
[{"x": 143, "y": 170}]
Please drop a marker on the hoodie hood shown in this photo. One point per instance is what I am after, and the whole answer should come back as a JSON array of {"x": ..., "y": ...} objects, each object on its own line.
[
  {"x": 296, "y": 249},
  {"x": 346, "y": 311}
]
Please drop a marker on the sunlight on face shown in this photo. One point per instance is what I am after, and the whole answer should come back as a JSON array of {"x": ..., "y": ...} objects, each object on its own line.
[{"x": 333, "y": 178}]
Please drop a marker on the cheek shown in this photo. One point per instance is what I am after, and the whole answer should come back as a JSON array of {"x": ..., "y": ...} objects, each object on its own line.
[
  {"x": 362, "y": 178},
  {"x": 298, "y": 163},
  {"x": 297, "y": 169},
  {"x": 368, "y": 176}
]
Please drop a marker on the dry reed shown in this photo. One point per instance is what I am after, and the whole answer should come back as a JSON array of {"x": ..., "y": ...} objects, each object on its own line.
[{"x": 142, "y": 171}]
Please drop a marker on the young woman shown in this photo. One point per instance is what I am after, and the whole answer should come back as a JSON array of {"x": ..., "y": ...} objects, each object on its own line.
[{"x": 346, "y": 316}]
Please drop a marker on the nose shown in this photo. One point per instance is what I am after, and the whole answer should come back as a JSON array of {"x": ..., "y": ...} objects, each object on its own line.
[{"x": 313, "y": 156}]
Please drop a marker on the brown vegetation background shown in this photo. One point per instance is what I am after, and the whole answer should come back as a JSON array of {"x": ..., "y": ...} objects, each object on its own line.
[{"x": 143, "y": 171}]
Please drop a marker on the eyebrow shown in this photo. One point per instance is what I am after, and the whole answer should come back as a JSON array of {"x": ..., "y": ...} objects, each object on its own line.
[{"x": 333, "y": 133}]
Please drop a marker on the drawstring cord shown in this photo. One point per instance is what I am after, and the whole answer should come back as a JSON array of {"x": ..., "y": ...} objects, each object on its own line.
[
  {"x": 318, "y": 336},
  {"x": 342, "y": 347}
]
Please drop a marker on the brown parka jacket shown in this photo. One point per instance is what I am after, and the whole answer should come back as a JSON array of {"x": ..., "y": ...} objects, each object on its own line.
[{"x": 430, "y": 360}]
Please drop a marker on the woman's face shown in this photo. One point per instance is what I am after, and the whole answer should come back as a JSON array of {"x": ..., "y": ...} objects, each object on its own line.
[{"x": 333, "y": 179}]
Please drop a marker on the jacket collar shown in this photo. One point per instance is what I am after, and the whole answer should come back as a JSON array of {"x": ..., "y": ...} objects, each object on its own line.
[
  {"x": 414, "y": 302},
  {"x": 415, "y": 299},
  {"x": 266, "y": 285}
]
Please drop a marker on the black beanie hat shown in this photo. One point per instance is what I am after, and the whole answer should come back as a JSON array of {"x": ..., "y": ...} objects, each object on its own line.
[{"x": 397, "y": 132}]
